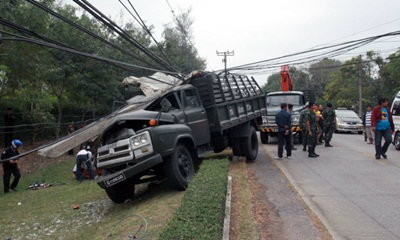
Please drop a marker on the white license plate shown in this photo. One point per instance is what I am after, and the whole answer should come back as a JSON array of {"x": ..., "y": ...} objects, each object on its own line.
[{"x": 117, "y": 179}]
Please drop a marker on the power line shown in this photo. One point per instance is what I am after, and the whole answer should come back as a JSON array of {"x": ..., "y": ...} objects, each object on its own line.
[
  {"x": 362, "y": 31},
  {"x": 113, "y": 26},
  {"x": 89, "y": 55},
  {"x": 140, "y": 21},
  {"x": 66, "y": 20},
  {"x": 345, "y": 44},
  {"x": 180, "y": 25}
]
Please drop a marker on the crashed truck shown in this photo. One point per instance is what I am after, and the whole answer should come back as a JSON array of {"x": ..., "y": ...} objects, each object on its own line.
[{"x": 166, "y": 132}]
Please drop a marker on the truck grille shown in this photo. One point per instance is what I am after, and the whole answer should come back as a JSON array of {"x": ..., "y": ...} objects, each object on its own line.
[
  {"x": 112, "y": 154},
  {"x": 271, "y": 120}
]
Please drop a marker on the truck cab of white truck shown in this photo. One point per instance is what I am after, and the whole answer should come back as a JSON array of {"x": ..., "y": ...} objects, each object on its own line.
[{"x": 396, "y": 120}]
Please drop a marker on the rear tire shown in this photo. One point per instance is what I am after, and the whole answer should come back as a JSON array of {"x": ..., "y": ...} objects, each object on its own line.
[
  {"x": 397, "y": 141},
  {"x": 360, "y": 132},
  {"x": 179, "y": 168},
  {"x": 250, "y": 145},
  {"x": 264, "y": 137},
  {"x": 120, "y": 192}
]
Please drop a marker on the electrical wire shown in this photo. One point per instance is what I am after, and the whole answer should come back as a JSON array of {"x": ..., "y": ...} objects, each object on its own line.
[
  {"x": 181, "y": 27},
  {"x": 342, "y": 45},
  {"x": 113, "y": 26},
  {"x": 94, "y": 35},
  {"x": 89, "y": 55},
  {"x": 140, "y": 21}
]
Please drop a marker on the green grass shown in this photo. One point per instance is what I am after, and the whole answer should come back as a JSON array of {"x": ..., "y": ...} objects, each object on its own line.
[
  {"x": 48, "y": 214},
  {"x": 201, "y": 214}
]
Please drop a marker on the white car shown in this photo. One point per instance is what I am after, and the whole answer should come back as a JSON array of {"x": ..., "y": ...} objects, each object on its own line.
[
  {"x": 396, "y": 120},
  {"x": 348, "y": 121}
]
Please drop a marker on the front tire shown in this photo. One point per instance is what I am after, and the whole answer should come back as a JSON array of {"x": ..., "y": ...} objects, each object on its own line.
[
  {"x": 250, "y": 145},
  {"x": 120, "y": 192},
  {"x": 397, "y": 140},
  {"x": 179, "y": 168},
  {"x": 360, "y": 132},
  {"x": 264, "y": 137}
]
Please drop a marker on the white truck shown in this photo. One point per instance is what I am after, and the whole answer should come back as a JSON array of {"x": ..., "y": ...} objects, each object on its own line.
[{"x": 396, "y": 120}]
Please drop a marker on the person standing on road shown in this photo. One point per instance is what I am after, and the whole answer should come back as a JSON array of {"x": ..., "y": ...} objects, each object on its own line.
[
  {"x": 283, "y": 120},
  {"x": 329, "y": 124},
  {"x": 290, "y": 108},
  {"x": 311, "y": 123},
  {"x": 304, "y": 131},
  {"x": 367, "y": 124},
  {"x": 11, "y": 167},
  {"x": 382, "y": 125},
  {"x": 320, "y": 120},
  {"x": 83, "y": 156}
]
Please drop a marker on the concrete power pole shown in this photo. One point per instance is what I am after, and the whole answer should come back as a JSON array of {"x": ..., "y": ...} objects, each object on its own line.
[
  {"x": 226, "y": 54},
  {"x": 359, "y": 91}
]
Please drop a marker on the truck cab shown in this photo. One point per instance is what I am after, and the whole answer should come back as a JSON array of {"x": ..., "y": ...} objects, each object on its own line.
[
  {"x": 274, "y": 101},
  {"x": 134, "y": 146},
  {"x": 396, "y": 120}
]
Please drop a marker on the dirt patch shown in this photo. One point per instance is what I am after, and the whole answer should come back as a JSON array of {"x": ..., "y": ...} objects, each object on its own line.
[{"x": 243, "y": 224}]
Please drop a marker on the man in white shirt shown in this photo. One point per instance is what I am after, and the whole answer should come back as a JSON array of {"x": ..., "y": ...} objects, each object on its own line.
[
  {"x": 84, "y": 156},
  {"x": 367, "y": 124}
]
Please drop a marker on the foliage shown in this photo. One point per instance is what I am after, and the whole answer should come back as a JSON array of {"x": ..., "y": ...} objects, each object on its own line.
[
  {"x": 43, "y": 84},
  {"x": 201, "y": 214}
]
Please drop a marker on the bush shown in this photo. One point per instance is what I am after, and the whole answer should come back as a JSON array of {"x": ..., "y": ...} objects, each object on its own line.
[{"x": 201, "y": 214}]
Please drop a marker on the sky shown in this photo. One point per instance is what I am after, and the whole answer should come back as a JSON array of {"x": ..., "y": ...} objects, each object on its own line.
[{"x": 262, "y": 29}]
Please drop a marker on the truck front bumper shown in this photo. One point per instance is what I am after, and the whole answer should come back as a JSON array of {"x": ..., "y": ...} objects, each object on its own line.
[
  {"x": 106, "y": 181},
  {"x": 266, "y": 129}
]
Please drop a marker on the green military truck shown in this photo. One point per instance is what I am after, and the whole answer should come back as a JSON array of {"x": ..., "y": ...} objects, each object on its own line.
[{"x": 167, "y": 137}]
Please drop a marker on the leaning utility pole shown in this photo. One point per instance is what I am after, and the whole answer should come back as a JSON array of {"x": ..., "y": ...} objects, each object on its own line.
[{"x": 225, "y": 54}]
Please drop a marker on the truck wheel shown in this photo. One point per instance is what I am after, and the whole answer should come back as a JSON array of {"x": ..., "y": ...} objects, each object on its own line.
[
  {"x": 180, "y": 168},
  {"x": 397, "y": 141},
  {"x": 250, "y": 145},
  {"x": 121, "y": 192},
  {"x": 236, "y": 147},
  {"x": 264, "y": 137}
]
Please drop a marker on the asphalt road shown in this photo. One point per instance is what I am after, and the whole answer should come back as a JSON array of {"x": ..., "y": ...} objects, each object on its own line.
[{"x": 354, "y": 195}]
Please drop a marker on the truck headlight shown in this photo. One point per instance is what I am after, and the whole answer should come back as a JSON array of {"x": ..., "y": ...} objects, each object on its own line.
[{"x": 141, "y": 144}]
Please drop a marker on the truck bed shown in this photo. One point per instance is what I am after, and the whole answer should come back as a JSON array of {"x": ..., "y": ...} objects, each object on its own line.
[{"x": 230, "y": 100}]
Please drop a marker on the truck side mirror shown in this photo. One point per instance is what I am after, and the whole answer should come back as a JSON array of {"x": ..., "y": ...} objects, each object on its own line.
[{"x": 165, "y": 105}]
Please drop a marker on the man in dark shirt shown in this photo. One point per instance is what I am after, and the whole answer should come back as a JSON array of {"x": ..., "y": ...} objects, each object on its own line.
[
  {"x": 11, "y": 167},
  {"x": 284, "y": 123}
]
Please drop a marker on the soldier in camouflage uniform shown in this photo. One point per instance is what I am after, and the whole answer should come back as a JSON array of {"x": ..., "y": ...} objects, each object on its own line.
[
  {"x": 329, "y": 124},
  {"x": 311, "y": 123},
  {"x": 303, "y": 126}
]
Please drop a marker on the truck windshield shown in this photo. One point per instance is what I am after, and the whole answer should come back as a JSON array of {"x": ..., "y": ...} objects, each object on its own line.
[{"x": 277, "y": 100}]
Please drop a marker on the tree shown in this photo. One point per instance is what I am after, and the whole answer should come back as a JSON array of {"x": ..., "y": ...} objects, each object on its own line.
[{"x": 178, "y": 44}]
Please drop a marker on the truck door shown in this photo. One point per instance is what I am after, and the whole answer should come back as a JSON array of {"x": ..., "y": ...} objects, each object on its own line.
[{"x": 196, "y": 116}]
